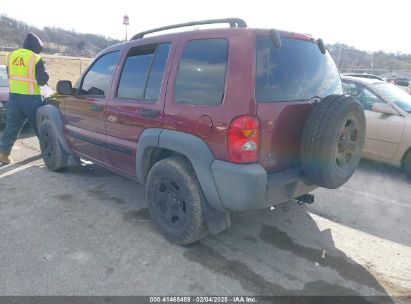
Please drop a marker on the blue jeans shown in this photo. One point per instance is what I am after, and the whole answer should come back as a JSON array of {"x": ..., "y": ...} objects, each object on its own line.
[{"x": 19, "y": 108}]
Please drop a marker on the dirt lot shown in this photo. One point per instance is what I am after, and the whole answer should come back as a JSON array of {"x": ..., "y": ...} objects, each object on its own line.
[
  {"x": 61, "y": 67},
  {"x": 87, "y": 232}
]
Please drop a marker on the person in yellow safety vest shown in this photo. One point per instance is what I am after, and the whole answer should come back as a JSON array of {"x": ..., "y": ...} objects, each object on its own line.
[{"x": 26, "y": 72}]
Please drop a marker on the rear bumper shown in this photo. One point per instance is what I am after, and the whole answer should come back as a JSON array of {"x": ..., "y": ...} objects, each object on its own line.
[{"x": 246, "y": 187}]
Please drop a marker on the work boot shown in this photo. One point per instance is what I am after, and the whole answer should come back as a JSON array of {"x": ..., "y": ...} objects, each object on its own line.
[{"x": 5, "y": 158}]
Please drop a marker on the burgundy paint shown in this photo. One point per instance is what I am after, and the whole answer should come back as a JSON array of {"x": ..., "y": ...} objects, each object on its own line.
[{"x": 121, "y": 124}]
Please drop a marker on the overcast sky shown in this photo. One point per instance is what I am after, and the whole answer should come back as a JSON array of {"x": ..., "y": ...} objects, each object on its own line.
[{"x": 365, "y": 24}]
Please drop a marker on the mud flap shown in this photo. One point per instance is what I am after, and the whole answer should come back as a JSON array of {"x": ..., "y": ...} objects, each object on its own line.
[{"x": 217, "y": 221}]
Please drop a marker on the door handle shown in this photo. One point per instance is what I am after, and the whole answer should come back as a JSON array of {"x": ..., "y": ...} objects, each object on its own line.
[
  {"x": 96, "y": 107},
  {"x": 150, "y": 113}
]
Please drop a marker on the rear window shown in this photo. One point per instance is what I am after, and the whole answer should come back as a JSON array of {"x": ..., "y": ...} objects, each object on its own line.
[{"x": 295, "y": 71}]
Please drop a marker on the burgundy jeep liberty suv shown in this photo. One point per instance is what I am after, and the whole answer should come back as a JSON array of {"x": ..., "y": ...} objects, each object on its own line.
[{"x": 210, "y": 121}]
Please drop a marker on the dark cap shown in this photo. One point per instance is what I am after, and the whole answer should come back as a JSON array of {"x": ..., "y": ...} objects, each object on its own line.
[{"x": 33, "y": 43}]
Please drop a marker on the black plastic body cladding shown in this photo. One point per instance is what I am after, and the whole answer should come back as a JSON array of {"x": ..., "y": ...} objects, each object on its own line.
[
  {"x": 52, "y": 113},
  {"x": 200, "y": 157}
]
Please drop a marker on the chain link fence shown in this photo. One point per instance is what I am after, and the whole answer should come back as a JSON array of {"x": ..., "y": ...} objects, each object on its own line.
[{"x": 60, "y": 67}]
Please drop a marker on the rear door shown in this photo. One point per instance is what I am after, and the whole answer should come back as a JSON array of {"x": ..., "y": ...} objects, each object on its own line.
[
  {"x": 209, "y": 85},
  {"x": 84, "y": 112},
  {"x": 138, "y": 100}
]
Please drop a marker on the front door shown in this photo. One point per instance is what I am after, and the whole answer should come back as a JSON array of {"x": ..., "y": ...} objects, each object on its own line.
[
  {"x": 138, "y": 101},
  {"x": 384, "y": 132},
  {"x": 84, "y": 112}
]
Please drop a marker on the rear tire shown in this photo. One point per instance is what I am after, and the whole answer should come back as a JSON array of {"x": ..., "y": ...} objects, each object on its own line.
[
  {"x": 332, "y": 141},
  {"x": 407, "y": 165},
  {"x": 54, "y": 156},
  {"x": 175, "y": 201}
]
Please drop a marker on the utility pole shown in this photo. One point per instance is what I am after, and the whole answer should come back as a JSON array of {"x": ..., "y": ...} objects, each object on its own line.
[{"x": 126, "y": 23}]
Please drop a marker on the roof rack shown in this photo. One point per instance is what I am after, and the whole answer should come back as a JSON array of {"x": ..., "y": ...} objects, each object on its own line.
[{"x": 233, "y": 22}]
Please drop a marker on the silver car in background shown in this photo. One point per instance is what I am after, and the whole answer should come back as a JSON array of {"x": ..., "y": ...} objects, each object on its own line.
[
  {"x": 388, "y": 117},
  {"x": 4, "y": 93}
]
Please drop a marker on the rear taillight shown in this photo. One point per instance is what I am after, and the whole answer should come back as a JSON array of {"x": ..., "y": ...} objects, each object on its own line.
[{"x": 244, "y": 140}]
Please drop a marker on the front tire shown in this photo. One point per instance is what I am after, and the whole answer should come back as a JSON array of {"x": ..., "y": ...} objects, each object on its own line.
[
  {"x": 54, "y": 156},
  {"x": 175, "y": 201}
]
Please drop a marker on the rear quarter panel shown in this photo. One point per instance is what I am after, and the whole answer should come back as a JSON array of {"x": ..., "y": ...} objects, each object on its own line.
[{"x": 4, "y": 94}]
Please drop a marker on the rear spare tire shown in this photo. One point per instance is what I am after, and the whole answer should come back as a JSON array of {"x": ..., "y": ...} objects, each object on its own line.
[{"x": 332, "y": 141}]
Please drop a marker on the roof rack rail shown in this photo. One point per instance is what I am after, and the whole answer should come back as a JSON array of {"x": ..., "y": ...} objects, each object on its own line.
[{"x": 233, "y": 22}]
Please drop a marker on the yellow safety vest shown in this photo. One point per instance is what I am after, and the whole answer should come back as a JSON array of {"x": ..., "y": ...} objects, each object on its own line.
[{"x": 22, "y": 72}]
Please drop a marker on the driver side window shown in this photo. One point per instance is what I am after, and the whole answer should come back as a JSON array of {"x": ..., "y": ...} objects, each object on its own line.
[
  {"x": 367, "y": 99},
  {"x": 96, "y": 81}
]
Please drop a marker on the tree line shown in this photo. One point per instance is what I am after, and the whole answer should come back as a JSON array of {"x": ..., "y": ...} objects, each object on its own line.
[
  {"x": 57, "y": 40},
  {"x": 71, "y": 43}
]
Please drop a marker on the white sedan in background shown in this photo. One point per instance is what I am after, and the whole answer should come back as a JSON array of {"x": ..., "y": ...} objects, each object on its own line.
[{"x": 388, "y": 117}]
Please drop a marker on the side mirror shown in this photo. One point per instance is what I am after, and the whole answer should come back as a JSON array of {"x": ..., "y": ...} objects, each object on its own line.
[
  {"x": 384, "y": 108},
  {"x": 64, "y": 87}
]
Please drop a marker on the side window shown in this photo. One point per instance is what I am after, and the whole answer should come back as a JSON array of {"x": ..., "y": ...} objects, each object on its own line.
[
  {"x": 143, "y": 72},
  {"x": 155, "y": 79},
  {"x": 202, "y": 72},
  {"x": 350, "y": 88},
  {"x": 367, "y": 99},
  {"x": 97, "y": 79}
]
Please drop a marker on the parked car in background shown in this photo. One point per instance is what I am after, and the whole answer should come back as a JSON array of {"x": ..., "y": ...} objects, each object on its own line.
[
  {"x": 46, "y": 91},
  {"x": 211, "y": 121},
  {"x": 363, "y": 75},
  {"x": 4, "y": 92},
  {"x": 406, "y": 89},
  {"x": 388, "y": 118},
  {"x": 403, "y": 83}
]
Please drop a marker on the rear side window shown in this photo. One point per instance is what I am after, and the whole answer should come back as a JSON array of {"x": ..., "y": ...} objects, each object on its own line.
[
  {"x": 97, "y": 79},
  {"x": 143, "y": 72},
  {"x": 202, "y": 71},
  {"x": 295, "y": 71},
  {"x": 155, "y": 79}
]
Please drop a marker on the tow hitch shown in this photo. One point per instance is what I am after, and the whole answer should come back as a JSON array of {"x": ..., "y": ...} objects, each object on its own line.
[{"x": 305, "y": 199}]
